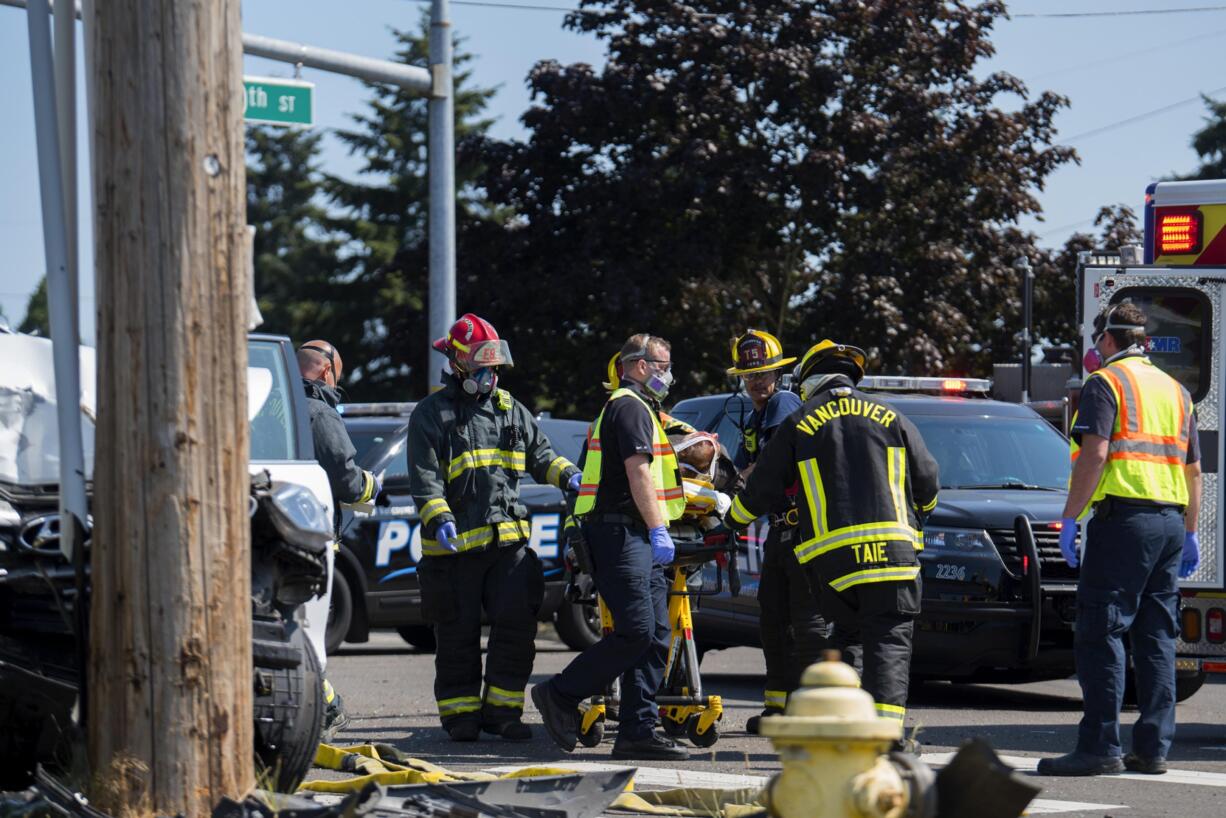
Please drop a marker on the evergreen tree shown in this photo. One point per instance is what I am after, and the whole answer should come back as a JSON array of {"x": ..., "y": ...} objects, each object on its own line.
[
  {"x": 38, "y": 319},
  {"x": 386, "y": 219},
  {"x": 1210, "y": 143}
]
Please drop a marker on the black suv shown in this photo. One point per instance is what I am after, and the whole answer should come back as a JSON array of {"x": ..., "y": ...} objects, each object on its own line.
[
  {"x": 375, "y": 584},
  {"x": 998, "y": 597}
]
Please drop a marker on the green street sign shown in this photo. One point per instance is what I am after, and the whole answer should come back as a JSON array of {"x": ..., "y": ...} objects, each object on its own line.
[{"x": 275, "y": 101}]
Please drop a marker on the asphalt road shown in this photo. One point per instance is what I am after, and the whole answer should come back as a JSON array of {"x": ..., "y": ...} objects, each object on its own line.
[{"x": 387, "y": 687}]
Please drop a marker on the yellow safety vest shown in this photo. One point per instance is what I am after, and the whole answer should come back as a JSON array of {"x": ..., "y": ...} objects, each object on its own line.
[
  {"x": 665, "y": 474},
  {"x": 1149, "y": 440}
]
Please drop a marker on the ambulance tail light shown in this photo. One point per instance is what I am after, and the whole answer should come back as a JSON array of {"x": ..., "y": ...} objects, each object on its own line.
[
  {"x": 1190, "y": 625},
  {"x": 1215, "y": 626},
  {"x": 1178, "y": 232}
]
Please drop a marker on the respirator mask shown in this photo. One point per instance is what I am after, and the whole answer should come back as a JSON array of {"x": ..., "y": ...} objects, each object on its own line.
[
  {"x": 659, "y": 378},
  {"x": 482, "y": 381}
]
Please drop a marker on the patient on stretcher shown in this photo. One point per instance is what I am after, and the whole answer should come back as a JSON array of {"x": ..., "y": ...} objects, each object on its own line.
[{"x": 708, "y": 477}]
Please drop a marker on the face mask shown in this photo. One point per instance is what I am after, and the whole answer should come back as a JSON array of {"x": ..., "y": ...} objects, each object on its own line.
[
  {"x": 1092, "y": 361},
  {"x": 480, "y": 382},
  {"x": 657, "y": 384}
]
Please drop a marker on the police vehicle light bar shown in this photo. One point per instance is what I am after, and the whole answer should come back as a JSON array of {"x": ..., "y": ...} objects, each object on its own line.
[
  {"x": 943, "y": 386},
  {"x": 374, "y": 409},
  {"x": 1179, "y": 232}
]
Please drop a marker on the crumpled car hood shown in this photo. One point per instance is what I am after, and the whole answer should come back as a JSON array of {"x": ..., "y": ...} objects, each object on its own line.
[{"x": 29, "y": 436}]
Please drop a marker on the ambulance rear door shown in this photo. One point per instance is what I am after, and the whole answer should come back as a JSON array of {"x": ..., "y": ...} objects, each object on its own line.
[{"x": 1185, "y": 339}]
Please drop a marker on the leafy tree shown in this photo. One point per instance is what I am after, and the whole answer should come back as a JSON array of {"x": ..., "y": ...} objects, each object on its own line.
[
  {"x": 303, "y": 283},
  {"x": 1210, "y": 143},
  {"x": 813, "y": 167},
  {"x": 38, "y": 319},
  {"x": 386, "y": 219}
]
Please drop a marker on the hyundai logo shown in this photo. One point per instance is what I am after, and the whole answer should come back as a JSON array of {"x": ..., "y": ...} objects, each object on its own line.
[{"x": 42, "y": 534}]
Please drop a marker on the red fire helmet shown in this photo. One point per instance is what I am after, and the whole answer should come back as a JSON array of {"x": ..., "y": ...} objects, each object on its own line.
[{"x": 473, "y": 343}]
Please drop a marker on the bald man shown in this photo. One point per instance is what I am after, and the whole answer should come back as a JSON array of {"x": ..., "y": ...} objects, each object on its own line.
[{"x": 321, "y": 368}]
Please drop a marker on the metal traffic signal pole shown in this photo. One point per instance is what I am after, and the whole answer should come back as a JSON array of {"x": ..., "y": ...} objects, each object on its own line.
[
  {"x": 437, "y": 82},
  {"x": 61, "y": 275},
  {"x": 1023, "y": 266},
  {"x": 442, "y": 177}
]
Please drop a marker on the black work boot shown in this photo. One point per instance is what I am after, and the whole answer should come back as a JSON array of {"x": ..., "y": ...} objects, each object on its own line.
[
  {"x": 509, "y": 729},
  {"x": 1144, "y": 764},
  {"x": 463, "y": 730},
  {"x": 654, "y": 747},
  {"x": 336, "y": 718},
  {"x": 754, "y": 725},
  {"x": 561, "y": 722},
  {"x": 1078, "y": 763}
]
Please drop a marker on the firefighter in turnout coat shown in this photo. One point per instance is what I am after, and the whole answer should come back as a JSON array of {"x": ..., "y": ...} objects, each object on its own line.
[
  {"x": 469, "y": 444},
  {"x": 867, "y": 481}
]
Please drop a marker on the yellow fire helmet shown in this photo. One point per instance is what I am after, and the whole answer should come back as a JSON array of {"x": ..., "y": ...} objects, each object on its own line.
[
  {"x": 757, "y": 351},
  {"x": 829, "y": 349}
]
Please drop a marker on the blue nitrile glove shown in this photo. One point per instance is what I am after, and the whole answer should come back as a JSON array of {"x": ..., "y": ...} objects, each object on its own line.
[
  {"x": 1191, "y": 555},
  {"x": 445, "y": 534},
  {"x": 662, "y": 548},
  {"x": 1068, "y": 541},
  {"x": 573, "y": 483}
]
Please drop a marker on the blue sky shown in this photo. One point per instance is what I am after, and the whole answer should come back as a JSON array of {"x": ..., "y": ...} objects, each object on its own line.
[{"x": 1113, "y": 68}]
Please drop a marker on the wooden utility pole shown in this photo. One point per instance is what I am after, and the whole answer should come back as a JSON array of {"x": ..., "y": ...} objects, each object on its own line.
[{"x": 170, "y": 726}]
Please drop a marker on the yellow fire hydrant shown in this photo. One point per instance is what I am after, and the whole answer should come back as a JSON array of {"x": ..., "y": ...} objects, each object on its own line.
[{"x": 831, "y": 742}]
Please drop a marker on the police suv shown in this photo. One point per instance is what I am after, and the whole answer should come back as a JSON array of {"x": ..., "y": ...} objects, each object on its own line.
[
  {"x": 375, "y": 585},
  {"x": 998, "y": 598}
]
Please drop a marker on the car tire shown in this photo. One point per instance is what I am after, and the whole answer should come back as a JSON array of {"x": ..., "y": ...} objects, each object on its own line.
[
  {"x": 1186, "y": 686},
  {"x": 286, "y": 745},
  {"x": 340, "y": 612},
  {"x": 578, "y": 625},
  {"x": 419, "y": 636}
]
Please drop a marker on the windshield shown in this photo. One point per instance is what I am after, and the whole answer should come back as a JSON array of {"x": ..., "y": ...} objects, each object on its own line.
[
  {"x": 993, "y": 452},
  {"x": 371, "y": 442}
]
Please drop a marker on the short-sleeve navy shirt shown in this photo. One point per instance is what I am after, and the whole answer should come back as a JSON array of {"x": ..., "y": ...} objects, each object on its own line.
[
  {"x": 1096, "y": 416},
  {"x": 626, "y": 429}
]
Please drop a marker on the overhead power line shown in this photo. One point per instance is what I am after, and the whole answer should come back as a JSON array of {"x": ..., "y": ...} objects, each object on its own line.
[
  {"x": 1057, "y": 230},
  {"x": 1122, "y": 13},
  {"x": 1127, "y": 55},
  {"x": 493, "y": 4},
  {"x": 1138, "y": 117}
]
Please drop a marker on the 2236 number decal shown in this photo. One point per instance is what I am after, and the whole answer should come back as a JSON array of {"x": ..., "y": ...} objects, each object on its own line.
[{"x": 947, "y": 571}]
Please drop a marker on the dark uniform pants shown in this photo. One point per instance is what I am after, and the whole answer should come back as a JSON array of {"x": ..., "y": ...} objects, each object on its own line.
[
  {"x": 1129, "y": 584},
  {"x": 874, "y": 627},
  {"x": 791, "y": 627},
  {"x": 636, "y": 592},
  {"x": 508, "y": 583}
]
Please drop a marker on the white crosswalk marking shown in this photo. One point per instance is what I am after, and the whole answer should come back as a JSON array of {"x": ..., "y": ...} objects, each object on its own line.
[{"x": 1044, "y": 806}]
